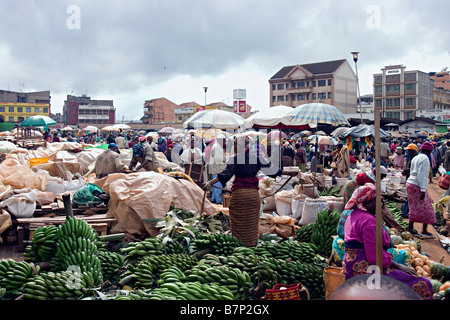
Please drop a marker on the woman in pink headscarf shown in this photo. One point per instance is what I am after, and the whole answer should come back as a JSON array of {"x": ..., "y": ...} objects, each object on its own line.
[{"x": 360, "y": 244}]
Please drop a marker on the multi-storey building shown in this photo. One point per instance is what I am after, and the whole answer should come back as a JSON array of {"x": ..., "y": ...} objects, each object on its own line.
[
  {"x": 15, "y": 107},
  {"x": 441, "y": 79},
  {"x": 84, "y": 111},
  {"x": 400, "y": 94},
  {"x": 330, "y": 82},
  {"x": 159, "y": 111}
]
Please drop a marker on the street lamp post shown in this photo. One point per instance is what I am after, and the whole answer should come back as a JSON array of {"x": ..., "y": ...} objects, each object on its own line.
[
  {"x": 355, "y": 58},
  {"x": 206, "y": 89}
]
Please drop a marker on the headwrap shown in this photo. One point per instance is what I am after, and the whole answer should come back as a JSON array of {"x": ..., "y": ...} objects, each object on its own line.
[
  {"x": 412, "y": 146},
  {"x": 360, "y": 196},
  {"x": 427, "y": 146},
  {"x": 141, "y": 138}
]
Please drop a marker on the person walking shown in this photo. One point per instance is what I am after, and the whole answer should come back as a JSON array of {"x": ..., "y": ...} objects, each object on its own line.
[{"x": 420, "y": 207}]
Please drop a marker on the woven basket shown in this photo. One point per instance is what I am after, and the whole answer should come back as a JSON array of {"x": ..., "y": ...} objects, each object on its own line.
[
  {"x": 286, "y": 292},
  {"x": 245, "y": 207},
  {"x": 334, "y": 277}
]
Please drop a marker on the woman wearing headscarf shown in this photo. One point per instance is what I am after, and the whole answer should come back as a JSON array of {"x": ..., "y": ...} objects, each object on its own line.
[
  {"x": 245, "y": 201},
  {"x": 360, "y": 245},
  {"x": 399, "y": 158},
  {"x": 361, "y": 179},
  {"x": 420, "y": 206}
]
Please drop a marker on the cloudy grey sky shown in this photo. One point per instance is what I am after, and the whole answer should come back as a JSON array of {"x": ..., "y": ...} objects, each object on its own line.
[{"x": 135, "y": 50}]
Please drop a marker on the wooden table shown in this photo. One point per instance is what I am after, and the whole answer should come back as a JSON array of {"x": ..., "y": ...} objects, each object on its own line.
[{"x": 25, "y": 225}]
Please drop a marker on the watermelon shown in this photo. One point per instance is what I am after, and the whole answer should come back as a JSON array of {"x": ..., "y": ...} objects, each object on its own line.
[{"x": 437, "y": 270}]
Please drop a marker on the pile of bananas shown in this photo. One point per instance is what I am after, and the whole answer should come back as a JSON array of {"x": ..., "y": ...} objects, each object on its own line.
[
  {"x": 63, "y": 285},
  {"x": 235, "y": 280},
  {"x": 179, "y": 291},
  {"x": 324, "y": 227},
  {"x": 286, "y": 249},
  {"x": 272, "y": 271},
  {"x": 146, "y": 272},
  {"x": 152, "y": 246},
  {"x": 245, "y": 262},
  {"x": 330, "y": 191},
  {"x": 397, "y": 213},
  {"x": 111, "y": 265},
  {"x": 77, "y": 246},
  {"x": 303, "y": 234},
  {"x": 216, "y": 243},
  {"x": 43, "y": 246},
  {"x": 14, "y": 274}
]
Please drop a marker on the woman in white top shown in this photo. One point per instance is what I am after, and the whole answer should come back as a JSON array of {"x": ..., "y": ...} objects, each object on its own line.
[{"x": 420, "y": 206}]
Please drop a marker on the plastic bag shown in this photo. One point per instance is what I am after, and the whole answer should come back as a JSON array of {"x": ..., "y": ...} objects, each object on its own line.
[
  {"x": 310, "y": 210},
  {"x": 87, "y": 195},
  {"x": 20, "y": 206}
]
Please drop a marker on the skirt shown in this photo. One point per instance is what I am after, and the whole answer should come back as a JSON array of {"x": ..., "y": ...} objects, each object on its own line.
[
  {"x": 420, "y": 211},
  {"x": 355, "y": 264},
  {"x": 244, "y": 210}
]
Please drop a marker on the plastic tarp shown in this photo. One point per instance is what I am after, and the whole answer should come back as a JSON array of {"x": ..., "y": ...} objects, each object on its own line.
[
  {"x": 363, "y": 130},
  {"x": 148, "y": 195}
]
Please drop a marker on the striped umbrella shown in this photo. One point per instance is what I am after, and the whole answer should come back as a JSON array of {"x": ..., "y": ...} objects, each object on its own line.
[{"x": 313, "y": 114}]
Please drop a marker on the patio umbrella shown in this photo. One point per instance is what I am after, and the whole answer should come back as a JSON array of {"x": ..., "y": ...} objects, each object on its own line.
[
  {"x": 276, "y": 134},
  {"x": 362, "y": 131},
  {"x": 217, "y": 119},
  {"x": 336, "y": 132},
  {"x": 110, "y": 128},
  {"x": 122, "y": 126},
  {"x": 90, "y": 129},
  {"x": 38, "y": 121},
  {"x": 267, "y": 118},
  {"x": 312, "y": 114},
  {"x": 167, "y": 130}
]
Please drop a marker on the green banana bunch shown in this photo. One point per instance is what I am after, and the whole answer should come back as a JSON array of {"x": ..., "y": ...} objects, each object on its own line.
[
  {"x": 136, "y": 251},
  {"x": 330, "y": 191},
  {"x": 237, "y": 281},
  {"x": 43, "y": 246},
  {"x": 136, "y": 295},
  {"x": 2, "y": 292},
  {"x": 272, "y": 271},
  {"x": 324, "y": 227},
  {"x": 171, "y": 274},
  {"x": 14, "y": 274},
  {"x": 397, "y": 213},
  {"x": 195, "y": 290},
  {"x": 76, "y": 246},
  {"x": 303, "y": 234},
  {"x": 111, "y": 264},
  {"x": 58, "y": 286},
  {"x": 217, "y": 243}
]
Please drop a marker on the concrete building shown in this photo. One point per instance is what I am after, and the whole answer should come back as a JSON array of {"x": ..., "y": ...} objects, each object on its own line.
[
  {"x": 400, "y": 93},
  {"x": 159, "y": 111},
  {"x": 330, "y": 82},
  {"x": 15, "y": 107},
  {"x": 441, "y": 79},
  {"x": 85, "y": 111}
]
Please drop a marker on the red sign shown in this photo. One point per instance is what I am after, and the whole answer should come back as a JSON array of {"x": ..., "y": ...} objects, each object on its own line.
[{"x": 242, "y": 106}]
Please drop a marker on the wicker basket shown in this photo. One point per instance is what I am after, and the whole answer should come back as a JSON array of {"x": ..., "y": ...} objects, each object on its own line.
[{"x": 334, "y": 277}]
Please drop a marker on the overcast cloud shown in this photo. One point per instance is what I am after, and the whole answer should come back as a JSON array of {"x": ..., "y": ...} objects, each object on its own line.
[{"x": 135, "y": 50}]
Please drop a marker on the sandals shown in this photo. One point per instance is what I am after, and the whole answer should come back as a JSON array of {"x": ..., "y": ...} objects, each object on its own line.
[{"x": 427, "y": 235}]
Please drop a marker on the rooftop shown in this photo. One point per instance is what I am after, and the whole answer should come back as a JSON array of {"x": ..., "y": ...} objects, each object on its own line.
[{"x": 314, "y": 68}]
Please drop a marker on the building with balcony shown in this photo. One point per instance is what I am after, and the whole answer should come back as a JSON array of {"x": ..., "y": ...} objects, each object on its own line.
[
  {"x": 84, "y": 111},
  {"x": 400, "y": 94},
  {"x": 330, "y": 82},
  {"x": 15, "y": 107}
]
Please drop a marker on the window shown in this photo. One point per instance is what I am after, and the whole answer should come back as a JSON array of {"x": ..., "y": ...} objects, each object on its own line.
[
  {"x": 293, "y": 84},
  {"x": 19, "y": 109},
  {"x": 287, "y": 85},
  {"x": 45, "y": 110},
  {"x": 409, "y": 115},
  {"x": 378, "y": 103},
  {"x": 11, "y": 119},
  {"x": 301, "y": 84},
  {"x": 273, "y": 98},
  {"x": 322, "y": 96},
  {"x": 389, "y": 102},
  {"x": 329, "y": 82},
  {"x": 36, "y": 110},
  {"x": 280, "y": 98},
  {"x": 20, "y": 119},
  {"x": 280, "y": 86},
  {"x": 180, "y": 118},
  {"x": 274, "y": 87},
  {"x": 293, "y": 97},
  {"x": 409, "y": 101},
  {"x": 287, "y": 97},
  {"x": 11, "y": 109},
  {"x": 378, "y": 89},
  {"x": 409, "y": 86},
  {"x": 314, "y": 96},
  {"x": 329, "y": 95},
  {"x": 322, "y": 83},
  {"x": 301, "y": 96},
  {"x": 397, "y": 102},
  {"x": 314, "y": 83},
  {"x": 28, "y": 110}
]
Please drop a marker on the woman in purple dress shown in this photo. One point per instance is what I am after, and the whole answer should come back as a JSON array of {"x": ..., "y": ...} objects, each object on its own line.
[{"x": 360, "y": 244}]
